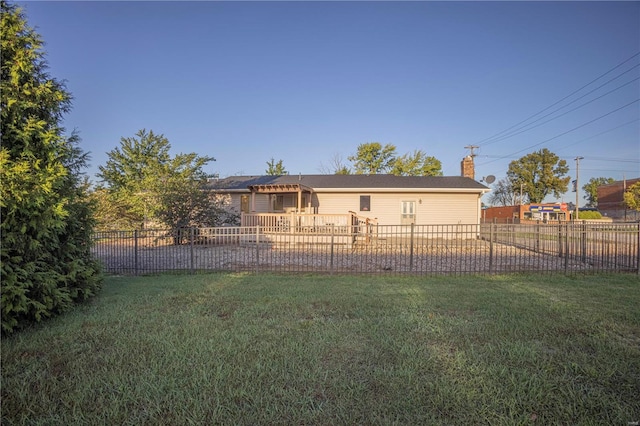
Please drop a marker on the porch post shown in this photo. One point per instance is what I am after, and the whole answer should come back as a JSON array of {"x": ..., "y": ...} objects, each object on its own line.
[
  {"x": 299, "y": 208},
  {"x": 253, "y": 201}
]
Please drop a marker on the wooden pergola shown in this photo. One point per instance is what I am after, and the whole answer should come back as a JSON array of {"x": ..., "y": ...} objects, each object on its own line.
[{"x": 280, "y": 188}]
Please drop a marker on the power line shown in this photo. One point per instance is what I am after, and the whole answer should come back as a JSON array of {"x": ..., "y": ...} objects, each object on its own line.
[
  {"x": 525, "y": 129},
  {"x": 611, "y": 170},
  {"x": 564, "y": 133},
  {"x": 557, "y": 102},
  {"x": 617, "y": 160},
  {"x": 598, "y": 134}
]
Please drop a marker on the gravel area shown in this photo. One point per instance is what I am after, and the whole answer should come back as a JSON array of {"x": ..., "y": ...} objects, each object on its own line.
[{"x": 461, "y": 257}]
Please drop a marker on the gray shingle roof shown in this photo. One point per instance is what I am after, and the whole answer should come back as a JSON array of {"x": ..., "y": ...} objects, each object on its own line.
[{"x": 238, "y": 183}]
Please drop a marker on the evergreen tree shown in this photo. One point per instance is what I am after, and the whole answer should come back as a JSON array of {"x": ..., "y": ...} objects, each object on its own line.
[
  {"x": 275, "y": 169},
  {"x": 46, "y": 213}
]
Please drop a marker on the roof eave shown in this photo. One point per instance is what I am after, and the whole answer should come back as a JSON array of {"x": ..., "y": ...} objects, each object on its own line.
[
  {"x": 404, "y": 190},
  {"x": 230, "y": 191}
]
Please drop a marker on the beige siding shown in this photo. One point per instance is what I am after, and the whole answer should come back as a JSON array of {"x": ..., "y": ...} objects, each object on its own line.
[
  {"x": 261, "y": 202},
  {"x": 431, "y": 208},
  {"x": 235, "y": 202},
  {"x": 450, "y": 209},
  {"x": 338, "y": 203}
]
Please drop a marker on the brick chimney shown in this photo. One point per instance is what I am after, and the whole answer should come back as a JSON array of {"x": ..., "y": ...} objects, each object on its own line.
[{"x": 467, "y": 169}]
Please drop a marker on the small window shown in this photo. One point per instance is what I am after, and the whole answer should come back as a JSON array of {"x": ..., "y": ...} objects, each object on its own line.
[{"x": 365, "y": 203}]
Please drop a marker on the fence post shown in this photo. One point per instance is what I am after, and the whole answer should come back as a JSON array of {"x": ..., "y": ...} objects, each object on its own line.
[
  {"x": 331, "y": 258},
  {"x": 538, "y": 237},
  {"x": 583, "y": 242},
  {"x": 191, "y": 242},
  {"x": 491, "y": 248},
  {"x": 638, "y": 249},
  {"x": 411, "y": 250},
  {"x": 257, "y": 248},
  {"x": 566, "y": 248},
  {"x": 560, "y": 240},
  {"x": 135, "y": 252},
  {"x": 292, "y": 222}
]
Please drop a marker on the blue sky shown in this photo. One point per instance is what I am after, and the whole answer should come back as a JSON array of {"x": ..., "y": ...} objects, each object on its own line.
[{"x": 306, "y": 81}]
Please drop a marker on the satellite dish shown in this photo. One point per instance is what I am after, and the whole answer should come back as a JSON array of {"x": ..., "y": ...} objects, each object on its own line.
[{"x": 489, "y": 179}]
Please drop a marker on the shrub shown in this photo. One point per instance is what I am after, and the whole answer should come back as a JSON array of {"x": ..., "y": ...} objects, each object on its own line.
[{"x": 589, "y": 215}]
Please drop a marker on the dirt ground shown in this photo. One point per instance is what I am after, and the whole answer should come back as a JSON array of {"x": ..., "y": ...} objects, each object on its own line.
[{"x": 475, "y": 256}]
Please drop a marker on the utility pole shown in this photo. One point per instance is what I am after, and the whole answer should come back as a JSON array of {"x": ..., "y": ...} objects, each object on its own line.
[
  {"x": 520, "y": 193},
  {"x": 577, "y": 185},
  {"x": 471, "y": 148}
]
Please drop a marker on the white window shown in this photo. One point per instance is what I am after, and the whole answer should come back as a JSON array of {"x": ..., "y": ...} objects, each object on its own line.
[{"x": 408, "y": 212}]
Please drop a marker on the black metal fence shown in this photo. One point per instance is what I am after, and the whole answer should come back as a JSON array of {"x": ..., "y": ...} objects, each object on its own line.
[{"x": 399, "y": 249}]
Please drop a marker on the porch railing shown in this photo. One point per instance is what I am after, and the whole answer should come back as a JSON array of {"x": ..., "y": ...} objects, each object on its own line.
[
  {"x": 364, "y": 226},
  {"x": 300, "y": 223}
]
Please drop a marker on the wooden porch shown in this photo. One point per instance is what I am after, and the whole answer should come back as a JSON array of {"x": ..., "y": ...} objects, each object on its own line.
[{"x": 350, "y": 224}]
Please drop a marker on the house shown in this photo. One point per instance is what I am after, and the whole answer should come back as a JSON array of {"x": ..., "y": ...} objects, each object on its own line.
[
  {"x": 611, "y": 200},
  {"x": 383, "y": 199}
]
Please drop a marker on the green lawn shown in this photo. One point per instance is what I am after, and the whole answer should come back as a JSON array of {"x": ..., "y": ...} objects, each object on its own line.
[{"x": 318, "y": 350}]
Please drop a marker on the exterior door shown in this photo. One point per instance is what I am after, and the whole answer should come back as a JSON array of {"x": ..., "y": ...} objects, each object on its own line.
[
  {"x": 408, "y": 212},
  {"x": 244, "y": 203}
]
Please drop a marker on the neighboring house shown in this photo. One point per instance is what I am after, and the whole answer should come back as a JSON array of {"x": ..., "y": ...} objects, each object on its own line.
[
  {"x": 385, "y": 199},
  {"x": 611, "y": 201}
]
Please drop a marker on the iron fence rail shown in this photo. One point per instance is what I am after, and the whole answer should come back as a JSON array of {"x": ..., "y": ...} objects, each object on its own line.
[{"x": 394, "y": 249}]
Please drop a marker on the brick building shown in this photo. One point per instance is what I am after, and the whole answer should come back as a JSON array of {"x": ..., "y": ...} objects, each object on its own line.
[
  {"x": 611, "y": 201},
  {"x": 516, "y": 214}
]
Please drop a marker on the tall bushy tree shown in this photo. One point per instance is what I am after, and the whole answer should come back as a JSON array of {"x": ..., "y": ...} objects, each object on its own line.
[
  {"x": 373, "y": 158},
  {"x": 416, "y": 164},
  {"x": 147, "y": 184},
  {"x": 539, "y": 174},
  {"x": 133, "y": 172},
  {"x": 591, "y": 189},
  {"x": 181, "y": 200},
  {"x": 46, "y": 213}
]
